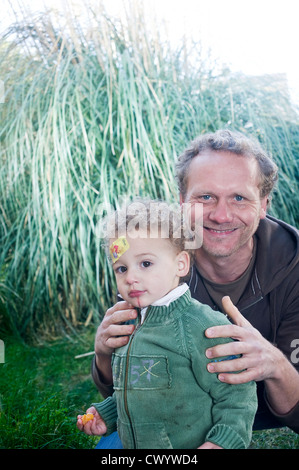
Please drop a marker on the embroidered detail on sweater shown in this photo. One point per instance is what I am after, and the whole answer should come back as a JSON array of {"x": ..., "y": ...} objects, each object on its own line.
[{"x": 144, "y": 372}]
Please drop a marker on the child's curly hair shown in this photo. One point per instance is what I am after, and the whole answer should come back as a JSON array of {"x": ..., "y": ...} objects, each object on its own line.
[{"x": 151, "y": 219}]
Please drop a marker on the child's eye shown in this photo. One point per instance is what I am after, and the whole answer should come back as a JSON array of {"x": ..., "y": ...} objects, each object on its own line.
[
  {"x": 121, "y": 269},
  {"x": 146, "y": 264}
]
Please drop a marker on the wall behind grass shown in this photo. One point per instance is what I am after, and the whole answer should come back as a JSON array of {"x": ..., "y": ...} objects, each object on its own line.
[{"x": 95, "y": 114}]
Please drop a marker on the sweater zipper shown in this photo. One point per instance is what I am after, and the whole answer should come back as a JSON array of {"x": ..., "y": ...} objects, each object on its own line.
[{"x": 138, "y": 326}]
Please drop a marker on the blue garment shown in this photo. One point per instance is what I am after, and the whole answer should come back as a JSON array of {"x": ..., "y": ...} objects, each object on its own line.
[{"x": 110, "y": 442}]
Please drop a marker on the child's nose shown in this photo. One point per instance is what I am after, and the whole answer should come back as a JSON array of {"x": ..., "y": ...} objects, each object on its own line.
[{"x": 131, "y": 276}]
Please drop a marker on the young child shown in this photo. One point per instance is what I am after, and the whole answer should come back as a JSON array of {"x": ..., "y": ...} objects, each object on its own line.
[{"x": 164, "y": 397}]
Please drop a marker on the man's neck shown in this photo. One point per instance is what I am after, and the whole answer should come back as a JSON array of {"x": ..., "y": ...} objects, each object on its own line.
[{"x": 223, "y": 270}]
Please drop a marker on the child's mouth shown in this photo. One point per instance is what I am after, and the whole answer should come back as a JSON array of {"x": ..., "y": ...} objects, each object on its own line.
[{"x": 136, "y": 293}]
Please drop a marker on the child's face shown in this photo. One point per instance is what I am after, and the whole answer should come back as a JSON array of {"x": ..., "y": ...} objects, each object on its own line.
[{"x": 148, "y": 270}]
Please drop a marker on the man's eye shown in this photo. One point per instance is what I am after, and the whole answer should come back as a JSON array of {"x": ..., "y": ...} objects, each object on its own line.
[
  {"x": 205, "y": 198},
  {"x": 146, "y": 264},
  {"x": 239, "y": 198}
]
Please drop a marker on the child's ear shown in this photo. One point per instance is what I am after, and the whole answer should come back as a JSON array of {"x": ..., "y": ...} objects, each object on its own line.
[{"x": 183, "y": 263}]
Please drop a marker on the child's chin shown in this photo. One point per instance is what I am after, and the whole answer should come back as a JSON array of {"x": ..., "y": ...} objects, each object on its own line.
[{"x": 139, "y": 303}]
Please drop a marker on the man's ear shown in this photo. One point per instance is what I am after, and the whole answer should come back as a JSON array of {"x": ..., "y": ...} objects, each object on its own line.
[
  {"x": 264, "y": 204},
  {"x": 183, "y": 264}
]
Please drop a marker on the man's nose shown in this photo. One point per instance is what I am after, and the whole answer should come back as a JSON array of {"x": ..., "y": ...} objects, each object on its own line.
[{"x": 221, "y": 212}]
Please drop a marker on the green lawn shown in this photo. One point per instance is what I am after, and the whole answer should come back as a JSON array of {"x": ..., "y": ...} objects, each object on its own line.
[{"x": 43, "y": 388}]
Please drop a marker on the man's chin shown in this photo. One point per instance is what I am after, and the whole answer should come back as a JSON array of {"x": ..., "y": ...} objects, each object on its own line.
[{"x": 220, "y": 252}]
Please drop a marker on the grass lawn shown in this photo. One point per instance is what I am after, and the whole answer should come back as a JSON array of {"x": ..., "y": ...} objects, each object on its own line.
[{"x": 43, "y": 388}]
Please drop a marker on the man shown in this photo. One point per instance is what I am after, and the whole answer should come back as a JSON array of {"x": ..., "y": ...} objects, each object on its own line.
[{"x": 247, "y": 255}]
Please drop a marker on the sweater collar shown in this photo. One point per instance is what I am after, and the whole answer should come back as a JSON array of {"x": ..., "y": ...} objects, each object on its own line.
[{"x": 167, "y": 299}]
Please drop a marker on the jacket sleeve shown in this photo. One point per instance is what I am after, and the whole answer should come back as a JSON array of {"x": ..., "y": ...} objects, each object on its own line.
[
  {"x": 290, "y": 419},
  {"x": 233, "y": 414},
  {"x": 107, "y": 409},
  {"x": 287, "y": 337},
  {"x": 234, "y": 406},
  {"x": 105, "y": 390}
]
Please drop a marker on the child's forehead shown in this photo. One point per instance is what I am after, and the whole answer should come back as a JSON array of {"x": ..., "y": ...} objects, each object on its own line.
[
  {"x": 138, "y": 238},
  {"x": 137, "y": 241}
]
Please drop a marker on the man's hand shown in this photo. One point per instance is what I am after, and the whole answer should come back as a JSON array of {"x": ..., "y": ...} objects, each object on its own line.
[
  {"x": 112, "y": 333},
  {"x": 259, "y": 357},
  {"x": 260, "y": 360}
]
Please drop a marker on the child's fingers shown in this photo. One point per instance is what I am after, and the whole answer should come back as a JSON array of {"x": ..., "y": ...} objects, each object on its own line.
[
  {"x": 91, "y": 410},
  {"x": 87, "y": 428},
  {"x": 84, "y": 422},
  {"x": 94, "y": 426},
  {"x": 80, "y": 425}
]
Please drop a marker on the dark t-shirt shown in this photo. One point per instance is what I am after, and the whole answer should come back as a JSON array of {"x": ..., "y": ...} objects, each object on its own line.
[{"x": 234, "y": 289}]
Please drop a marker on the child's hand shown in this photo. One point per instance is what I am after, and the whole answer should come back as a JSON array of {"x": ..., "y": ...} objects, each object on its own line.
[{"x": 96, "y": 426}]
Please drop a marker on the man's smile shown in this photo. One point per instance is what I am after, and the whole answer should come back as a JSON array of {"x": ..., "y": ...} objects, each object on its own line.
[{"x": 226, "y": 231}]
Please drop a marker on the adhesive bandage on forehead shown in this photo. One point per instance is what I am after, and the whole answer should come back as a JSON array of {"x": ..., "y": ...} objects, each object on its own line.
[{"x": 118, "y": 248}]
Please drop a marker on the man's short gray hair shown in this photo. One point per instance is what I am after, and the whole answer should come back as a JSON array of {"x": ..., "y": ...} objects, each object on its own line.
[{"x": 228, "y": 141}]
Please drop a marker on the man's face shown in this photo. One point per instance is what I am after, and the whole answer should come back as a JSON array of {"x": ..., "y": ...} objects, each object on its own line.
[{"x": 227, "y": 186}]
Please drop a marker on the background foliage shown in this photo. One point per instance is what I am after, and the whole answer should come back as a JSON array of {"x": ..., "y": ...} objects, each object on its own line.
[{"x": 96, "y": 113}]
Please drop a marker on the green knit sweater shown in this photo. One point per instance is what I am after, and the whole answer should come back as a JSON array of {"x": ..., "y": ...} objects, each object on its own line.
[{"x": 164, "y": 397}]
